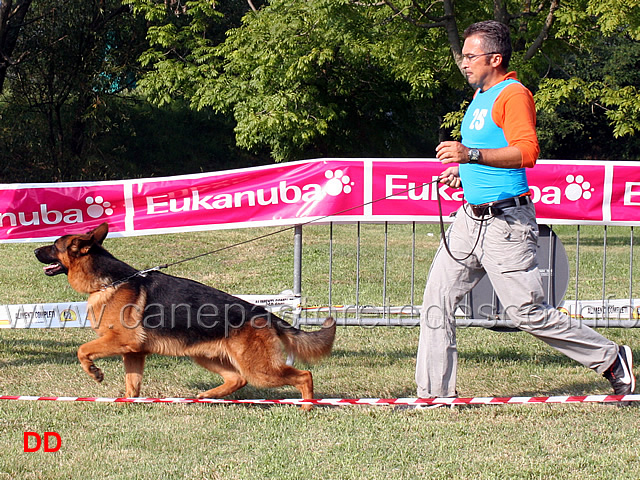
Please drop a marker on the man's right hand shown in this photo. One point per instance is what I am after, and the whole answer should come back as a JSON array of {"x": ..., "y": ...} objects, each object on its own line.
[{"x": 451, "y": 177}]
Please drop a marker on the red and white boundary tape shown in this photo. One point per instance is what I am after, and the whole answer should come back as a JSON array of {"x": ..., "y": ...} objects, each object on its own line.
[{"x": 351, "y": 401}]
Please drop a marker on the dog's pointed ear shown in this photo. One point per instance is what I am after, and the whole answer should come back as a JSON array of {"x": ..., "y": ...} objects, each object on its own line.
[
  {"x": 99, "y": 233},
  {"x": 83, "y": 243}
]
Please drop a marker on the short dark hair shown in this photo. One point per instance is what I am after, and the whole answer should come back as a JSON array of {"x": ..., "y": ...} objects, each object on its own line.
[{"x": 495, "y": 38}]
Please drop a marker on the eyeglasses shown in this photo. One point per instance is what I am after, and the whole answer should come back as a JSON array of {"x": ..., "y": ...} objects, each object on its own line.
[{"x": 471, "y": 58}]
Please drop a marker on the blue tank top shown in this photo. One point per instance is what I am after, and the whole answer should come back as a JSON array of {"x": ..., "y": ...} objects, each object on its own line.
[{"x": 482, "y": 183}]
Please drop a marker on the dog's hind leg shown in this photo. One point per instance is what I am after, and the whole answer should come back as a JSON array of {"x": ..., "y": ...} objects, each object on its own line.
[
  {"x": 277, "y": 374},
  {"x": 232, "y": 379},
  {"x": 133, "y": 368},
  {"x": 301, "y": 379}
]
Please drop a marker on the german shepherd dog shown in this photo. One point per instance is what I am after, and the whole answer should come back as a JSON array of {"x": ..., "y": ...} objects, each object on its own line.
[{"x": 135, "y": 316}]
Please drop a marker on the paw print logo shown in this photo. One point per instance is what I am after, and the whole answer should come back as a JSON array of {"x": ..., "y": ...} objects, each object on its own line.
[
  {"x": 338, "y": 183},
  {"x": 578, "y": 188},
  {"x": 98, "y": 207}
]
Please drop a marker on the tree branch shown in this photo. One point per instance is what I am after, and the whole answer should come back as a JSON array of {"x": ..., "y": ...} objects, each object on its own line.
[
  {"x": 500, "y": 12},
  {"x": 451, "y": 27},
  {"x": 544, "y": 32},
  {"x": 11, "y": 21},
  {"x": 437, "y": 21}
]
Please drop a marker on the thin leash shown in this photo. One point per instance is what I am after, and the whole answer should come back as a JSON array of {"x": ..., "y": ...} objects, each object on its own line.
[
  {"x": 143, "y": 273},
  {"x": 443, "y": 235}
]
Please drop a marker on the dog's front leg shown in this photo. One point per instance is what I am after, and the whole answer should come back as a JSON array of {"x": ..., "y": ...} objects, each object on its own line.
[
  {"x": 133, "y": 368},
  {"x": 101, "y": 347},
  {"x": 86, "y": 361}
]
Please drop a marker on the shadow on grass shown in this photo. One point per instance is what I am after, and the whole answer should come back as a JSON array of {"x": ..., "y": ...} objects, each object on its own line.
[
  {"x": 576, "y": 388},
  {"x": 573, "y": 389},
  {"x": 248, "y": 392},
  {"x": 375, "y": 357},
  {"x": 514, "y": 355},
  {"x": 37, "y": 352}
]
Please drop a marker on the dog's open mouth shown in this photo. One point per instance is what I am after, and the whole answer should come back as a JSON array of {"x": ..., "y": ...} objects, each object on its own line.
[{"x": 54, "y": 269}]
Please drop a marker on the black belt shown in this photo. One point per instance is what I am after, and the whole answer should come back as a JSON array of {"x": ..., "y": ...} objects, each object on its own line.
[{"x": 495, "y": 208}]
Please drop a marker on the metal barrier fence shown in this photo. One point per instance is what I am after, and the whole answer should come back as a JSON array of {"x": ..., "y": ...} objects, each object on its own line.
[{"x": 598, "y": 278}]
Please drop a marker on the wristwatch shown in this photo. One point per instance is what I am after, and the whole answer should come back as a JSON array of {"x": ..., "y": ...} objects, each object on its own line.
[{"x": 474, "y": 155}]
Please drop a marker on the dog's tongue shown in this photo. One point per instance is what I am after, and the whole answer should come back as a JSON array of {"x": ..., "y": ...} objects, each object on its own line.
[{"x": 52, "y": 269}]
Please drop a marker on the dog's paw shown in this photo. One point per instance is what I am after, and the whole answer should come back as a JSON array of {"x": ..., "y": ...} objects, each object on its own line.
[
  {"x": 97, "y": 374},
  {"x": 205, "y": 395}
]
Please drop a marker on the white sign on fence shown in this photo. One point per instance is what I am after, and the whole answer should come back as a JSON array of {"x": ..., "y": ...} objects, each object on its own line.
[
  {"x": 74, "y": 314},
  {"x": 619, "y": 309}
]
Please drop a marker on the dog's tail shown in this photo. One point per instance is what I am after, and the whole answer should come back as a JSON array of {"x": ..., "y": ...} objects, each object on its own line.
[{"x": 307, "y": 346}]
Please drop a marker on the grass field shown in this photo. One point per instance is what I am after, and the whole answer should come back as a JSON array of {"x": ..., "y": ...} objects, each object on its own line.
[{"x": 115, "y": 441}]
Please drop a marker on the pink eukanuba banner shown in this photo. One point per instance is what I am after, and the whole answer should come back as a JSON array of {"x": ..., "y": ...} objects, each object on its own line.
[{"x": 323, "y": 190}]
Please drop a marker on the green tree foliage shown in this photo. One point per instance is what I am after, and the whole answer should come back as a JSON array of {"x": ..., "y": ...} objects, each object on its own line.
[
  {"x": 71, "y": 110},
  {"x": 315, "y": 77},
  {"x": 359, "y": 77},
  {"x": 72, "y": 59},
  {"x": 590, "y": 101},
  {"x": 306, "y": 78}
]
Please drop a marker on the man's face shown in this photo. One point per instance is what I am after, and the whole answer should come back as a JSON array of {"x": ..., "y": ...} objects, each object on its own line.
[{"x": 479, "y": 70}]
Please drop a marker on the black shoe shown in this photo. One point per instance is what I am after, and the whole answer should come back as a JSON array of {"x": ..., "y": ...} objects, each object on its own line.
[{"x": 620, "y": 374}]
